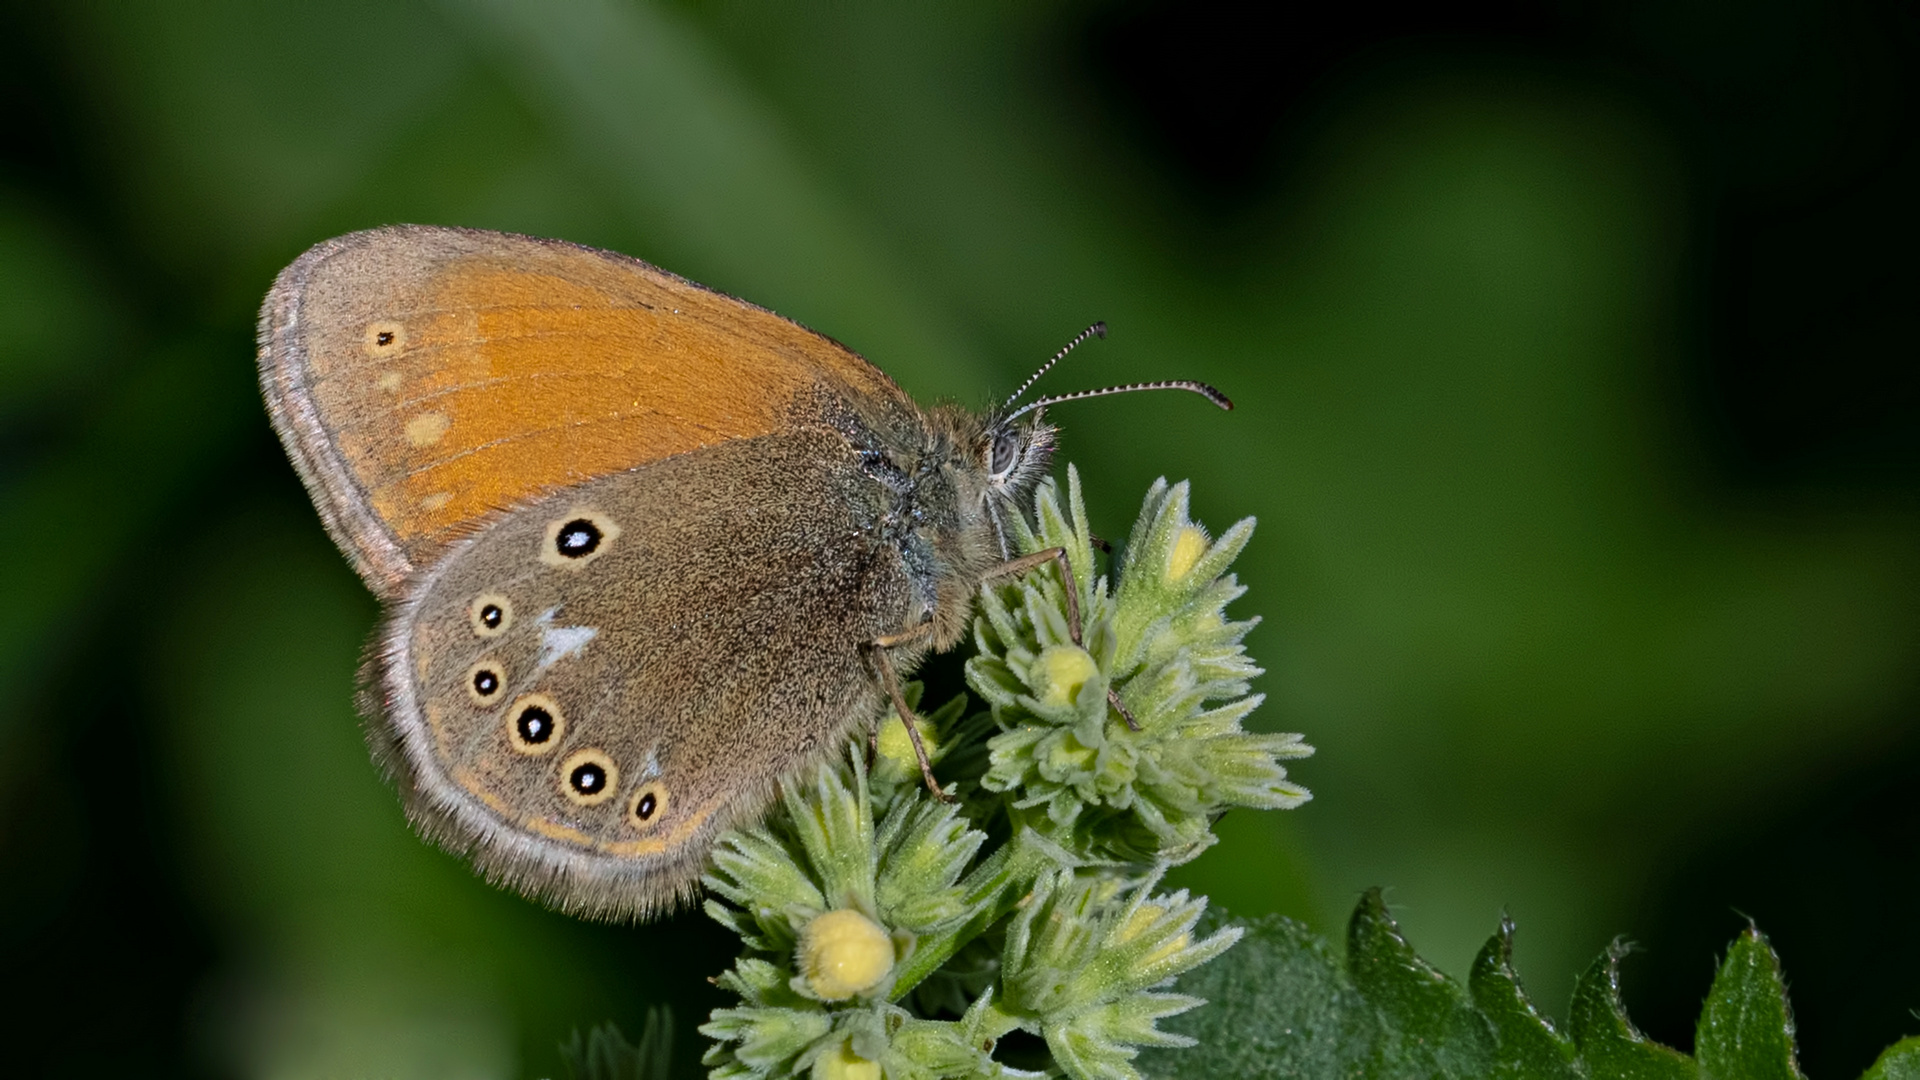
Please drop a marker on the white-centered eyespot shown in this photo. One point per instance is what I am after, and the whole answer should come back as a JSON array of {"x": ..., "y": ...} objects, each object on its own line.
[
  {"x": 589, "y": 777},
  {"x": 648, "y": 805},
  {"x": 577, "y": 538},
  {"x": 486, "y": 681},
  {"x": 490, "y": 615},
  {"x": 534, "y": 724},
  {"x": 385, "y": 338}
]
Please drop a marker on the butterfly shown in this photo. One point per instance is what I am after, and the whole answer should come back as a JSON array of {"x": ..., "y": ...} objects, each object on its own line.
[{"x": 644, "y": 549}]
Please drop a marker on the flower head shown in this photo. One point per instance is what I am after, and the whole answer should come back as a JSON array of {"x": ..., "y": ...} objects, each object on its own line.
[
  {"x": 1082, "y": 959},
  {"x": 828, "y": 904},
  {"x": 1162, "y": 644},
  {"x": 891, "y": 934}
]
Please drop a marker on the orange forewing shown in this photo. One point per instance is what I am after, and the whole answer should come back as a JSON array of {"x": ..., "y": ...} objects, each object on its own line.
[{"x": 426, "y": 376}]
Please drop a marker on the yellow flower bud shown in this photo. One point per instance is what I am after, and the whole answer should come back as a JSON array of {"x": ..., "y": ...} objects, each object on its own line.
[
  {"x": 1143, "y": 917},
  {"x": 843, "y": 953},
  {"x": 841, "y": 1063},
  {"x": 1140, "y": 922},
  {"x": 1060, "y": 671},
  {"x": 1187, "y": 549}
]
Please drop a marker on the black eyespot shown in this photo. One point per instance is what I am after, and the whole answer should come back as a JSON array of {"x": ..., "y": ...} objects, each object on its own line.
[
  {"x": 384, "y": 336},
  {"x": 485, "y": 681},
  {"x": 647, "y": 804},
  {"x": 534, "y": 725},
  {"x": 588, "y": 778},
  {"x": 578, "y": 538},
  {"x": 490, "y": 614}
]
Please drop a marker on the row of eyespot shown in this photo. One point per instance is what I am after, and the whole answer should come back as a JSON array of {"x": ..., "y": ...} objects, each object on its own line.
[
  {"x": 534, "y": 723},
  {"x": 534, "y": 726},
  {"x": 588, "y": 777}
]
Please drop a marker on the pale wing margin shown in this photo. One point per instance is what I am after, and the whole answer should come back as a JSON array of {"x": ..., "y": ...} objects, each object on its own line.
[{"x": 284, "y": 375}]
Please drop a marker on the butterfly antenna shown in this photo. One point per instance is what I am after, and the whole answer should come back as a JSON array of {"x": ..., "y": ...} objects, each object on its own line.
[
  {"x": 1098, "y": 329},
  {"x": 1200, "y": 388}
]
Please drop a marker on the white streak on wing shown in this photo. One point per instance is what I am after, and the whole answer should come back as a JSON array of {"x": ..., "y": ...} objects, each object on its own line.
[{"x": 557, "y": 643}]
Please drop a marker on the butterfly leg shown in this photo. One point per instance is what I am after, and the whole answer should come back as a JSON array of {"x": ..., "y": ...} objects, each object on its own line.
[
  {"x": 890, "y": 679},
  {"x": 1059, "y": 555},
  {"x": 1041, "y": 558}
]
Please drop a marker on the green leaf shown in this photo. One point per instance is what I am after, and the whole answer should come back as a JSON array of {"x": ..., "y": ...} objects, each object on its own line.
[
  {"x": 1610, "y": 1046},
  {"x": 1900, "y": 1062},
  {"x": 1431, "y": 1028},
  {"x": 1526, "y": 1044},
  {"x": 1746, "y": 1029},
  {"x": 1280, "y": 1006}
]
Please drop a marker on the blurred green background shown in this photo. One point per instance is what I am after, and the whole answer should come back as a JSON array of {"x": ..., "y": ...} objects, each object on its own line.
[{"x": 1573, "y": 351}]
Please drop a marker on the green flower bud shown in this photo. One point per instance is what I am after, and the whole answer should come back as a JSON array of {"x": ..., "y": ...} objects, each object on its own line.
[{"x": 896, "y": 748}]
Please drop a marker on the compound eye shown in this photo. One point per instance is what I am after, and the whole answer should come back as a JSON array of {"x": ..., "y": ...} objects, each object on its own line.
[{"x": 1004, "y": 455}]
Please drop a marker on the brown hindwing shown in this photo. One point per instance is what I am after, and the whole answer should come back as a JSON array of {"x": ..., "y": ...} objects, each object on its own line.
[{"x": 584, "y": 693}]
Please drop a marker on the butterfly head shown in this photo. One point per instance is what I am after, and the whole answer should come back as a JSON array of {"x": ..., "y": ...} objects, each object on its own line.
[
  {"x": 1015, "y": 448},
  {"x": 1014, "y": 455}
]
